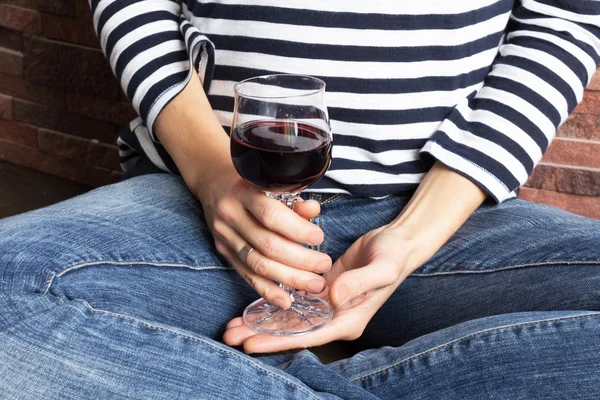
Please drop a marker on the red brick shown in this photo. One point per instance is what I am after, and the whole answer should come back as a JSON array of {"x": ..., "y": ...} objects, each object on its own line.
[
  {"x": 581, "y": 126},
  {"x": 91, "y": 152},
  {"x": 55, "y": 165},
  {"x": 595, "y": 83},
  {"x": 19, "y": 19},
  {"x": 74, "y": 68},
  {"x": 10, "y": 39},
  {"x": 588, "y": 206},
  {"x": 584, "y": 153},
  {"x": 18, "y": 133},
  {"x": 103, "y": 109},
  {"x": 59, "y": 7},
  {"x": 46, "y": 117},
  {"x": 17, "y": 87},
  {"x": 566, "y": 179},
  {"x": 69, "y": 30},
  {"x": 5, "y": 107},
  {"x": 590, "y": 103},
  {"x": 11, "y": 62}
]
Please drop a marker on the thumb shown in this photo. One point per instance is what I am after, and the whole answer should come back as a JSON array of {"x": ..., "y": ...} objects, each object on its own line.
[
  {"x": 307, "y": 209},
  {"x": 350, "y": 284}
]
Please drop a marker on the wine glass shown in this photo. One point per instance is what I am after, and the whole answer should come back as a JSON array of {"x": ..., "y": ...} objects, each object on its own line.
[{"x": 281, "y": 144}]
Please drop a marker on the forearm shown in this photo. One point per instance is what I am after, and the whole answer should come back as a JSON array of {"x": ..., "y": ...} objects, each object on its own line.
[
  {"x": 191, "y": 133},
  {"x": 442, "y": 203}
]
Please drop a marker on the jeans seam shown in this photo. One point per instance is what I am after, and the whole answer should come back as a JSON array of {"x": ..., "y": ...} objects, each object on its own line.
[
  {"x": 469, "y": 337},
  {"x": 331, "y": 199},
  {"x": 500, "y": 269},
  {"x": 65, "y": 270},
  {"x": 204, "y": 342},
  {"x": 125, "y": 224}
]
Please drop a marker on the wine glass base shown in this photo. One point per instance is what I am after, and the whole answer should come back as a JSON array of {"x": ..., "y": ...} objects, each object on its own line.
[{"x": 307, "y": 314}]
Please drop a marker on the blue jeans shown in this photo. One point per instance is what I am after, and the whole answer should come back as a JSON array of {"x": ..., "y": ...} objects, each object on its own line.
[{"x": 119, "y": 293}]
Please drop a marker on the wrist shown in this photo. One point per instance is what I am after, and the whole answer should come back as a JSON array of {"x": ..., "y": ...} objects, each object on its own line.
[
  {"x": 442, "y": 203},
  {"x": 194, "y": 138},
  {"x": 417, "y": 245}
]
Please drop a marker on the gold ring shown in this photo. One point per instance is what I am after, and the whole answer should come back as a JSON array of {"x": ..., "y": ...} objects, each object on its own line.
[{"x": 243, "y": 253}]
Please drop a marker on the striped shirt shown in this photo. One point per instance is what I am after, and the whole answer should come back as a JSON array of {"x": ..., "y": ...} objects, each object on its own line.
[{"x": 479, "y": 85}]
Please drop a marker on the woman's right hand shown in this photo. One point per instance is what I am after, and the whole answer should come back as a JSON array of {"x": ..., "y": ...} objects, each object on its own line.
[{"x": 237, "y": 213}]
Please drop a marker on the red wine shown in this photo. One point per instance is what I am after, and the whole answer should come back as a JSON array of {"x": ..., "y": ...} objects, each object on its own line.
[{"x": 280, "y": 156}]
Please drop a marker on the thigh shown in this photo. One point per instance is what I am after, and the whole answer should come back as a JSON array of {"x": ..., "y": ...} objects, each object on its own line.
[
  {"x": 139, "y": 248},
  {"x": 534, "y": 355},
  {"x": 514, "y": 257}
]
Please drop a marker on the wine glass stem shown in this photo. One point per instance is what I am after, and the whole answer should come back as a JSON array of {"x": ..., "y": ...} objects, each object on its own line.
[{"x": 289, "y": 199}]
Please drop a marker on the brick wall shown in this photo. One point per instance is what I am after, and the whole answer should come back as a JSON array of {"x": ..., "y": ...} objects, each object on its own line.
[
  {"x": 569, "y": 174},
  {"x": 61, "y": 109}
]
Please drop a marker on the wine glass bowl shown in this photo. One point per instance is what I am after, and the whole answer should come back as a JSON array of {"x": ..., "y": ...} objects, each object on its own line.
[{"x": 281, "y": 143}]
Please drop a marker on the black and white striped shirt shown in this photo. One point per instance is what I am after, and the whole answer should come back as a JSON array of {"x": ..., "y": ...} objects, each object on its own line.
[{"x": 480, "y": 85}]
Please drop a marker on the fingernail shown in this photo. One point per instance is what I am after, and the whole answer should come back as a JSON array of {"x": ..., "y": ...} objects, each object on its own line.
[
  {"x": 315, "y": 238},
  {"x": 281, "y": 303},
  {"x": 343, "y": 293},
  {"x": 316, "y": 286},
  {"x": 324, "y": 267}
]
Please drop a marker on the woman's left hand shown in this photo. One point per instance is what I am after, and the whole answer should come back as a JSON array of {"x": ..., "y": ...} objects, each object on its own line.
[{"x": 359, "y": 283}]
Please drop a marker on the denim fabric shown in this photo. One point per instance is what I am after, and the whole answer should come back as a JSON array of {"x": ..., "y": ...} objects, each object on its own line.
[{"x": 119, "y": 294}]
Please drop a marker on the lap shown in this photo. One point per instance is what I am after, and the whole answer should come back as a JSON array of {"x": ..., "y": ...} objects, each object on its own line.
[
  {"x": 142, "y": 248},
  {"x": 514, "y": 257},
  {"x": 138, "y": 248},
  {"x": 135, "y": 263}
]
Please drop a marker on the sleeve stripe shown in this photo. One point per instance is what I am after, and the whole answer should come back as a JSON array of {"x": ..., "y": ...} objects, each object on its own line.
[
  {"x": 535, "y": 83},
  {"x": 99, "y": 10},
  {"x": 531, "y": 97},
  {"x": 562, "y": 25},
  {"x": 464, "y": 137},
  {"x": 144, "y": 57},
  {"x": 146, "y": 70},
  {"x": 468, "y": 168},
  {"x": 121, "y": 14},
  {"x": 590, "y": 17},
  {"x": 159, "y": 21},
  {"x": 545, "y": 73},
  {"x": 576, "y": 51},
  {"x": 157, "y": 77},
  {"x": 519, "y": 119},
  {"x": 569, "y": 60},
  {"x": 586, "y": 47},
  {"x": 142, "y": 45},
  {"x": 498, "y": 123},
  {"x": 526, "y": 151},
  {"x": 541, "y": 57},
  {"x": 485, "y": 160}
]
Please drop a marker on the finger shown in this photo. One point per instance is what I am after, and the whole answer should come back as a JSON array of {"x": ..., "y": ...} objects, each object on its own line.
[
  {"x": 237, "y": 335},
  {"x": 352, "y": 283},
  {"x": 235, "y": 322},
  {"x": 292, "y": 277},
  {"x": 276, "y": 217},
  {"x": 271, "y": 269},
  {"x": 279, "y": 248},
  {"x": 260, "y": 343},
  {"x": 307, "y": 209},
  {"x": 265, "y": 287}
]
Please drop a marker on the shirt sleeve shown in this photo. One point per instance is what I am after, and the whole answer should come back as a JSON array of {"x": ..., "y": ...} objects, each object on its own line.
[
  {"x": 496, "y": 136},
  {"x": 153, "y": 51}
]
